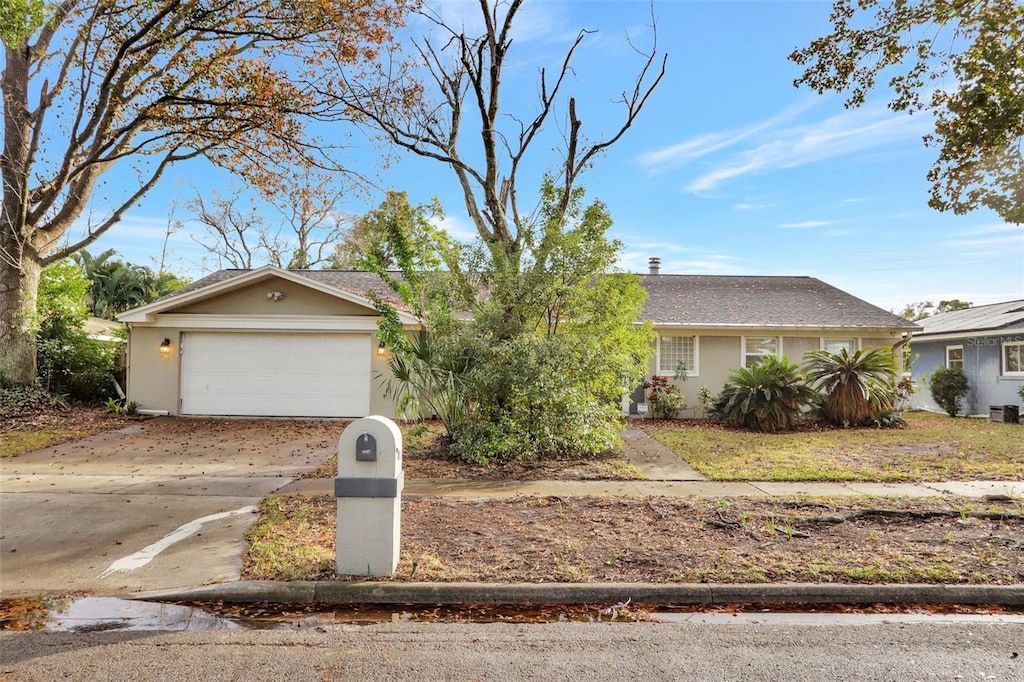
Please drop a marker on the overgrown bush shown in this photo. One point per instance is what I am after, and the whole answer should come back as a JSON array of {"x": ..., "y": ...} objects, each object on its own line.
[
  {"x": 856, "y": 388},
  {"x": 770, "y": 396},
  {"x": 530, "y": 349},
  {"x": 949, "y": 385},
  {"x": 69, "y": 362},
  {"x": 663, "y": 397}
]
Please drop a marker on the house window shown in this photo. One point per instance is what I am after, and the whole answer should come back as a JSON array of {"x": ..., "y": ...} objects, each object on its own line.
[
  {"x": 1013, "y": 357},
  {"x": 836, "y": 345},
  {"x": 955, "y": 356},
  {"x": 675, "y": 349},
  {"x": 757, "y": 348}
]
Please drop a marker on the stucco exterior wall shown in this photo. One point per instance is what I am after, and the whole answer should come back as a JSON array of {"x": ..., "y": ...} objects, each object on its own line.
[
  {"x": 982, "y": 365},
  {"x": 297, "y": 300},
  {"x": 153, "y": 377},
  {"x": 718, "y": 354}
]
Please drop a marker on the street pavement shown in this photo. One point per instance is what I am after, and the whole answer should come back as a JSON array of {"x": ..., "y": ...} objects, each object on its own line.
[{"x": 893, "y": 651}]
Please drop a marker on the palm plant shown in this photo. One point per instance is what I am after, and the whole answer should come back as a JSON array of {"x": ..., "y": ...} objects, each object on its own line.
[
  {"x": 423, "y": 383},
  {"x": 770, "y": 396},
  {"x": 857, "y": 388}
]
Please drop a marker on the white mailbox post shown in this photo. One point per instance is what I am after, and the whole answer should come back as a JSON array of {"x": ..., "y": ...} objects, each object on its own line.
[{"x": 369, "y": 492}]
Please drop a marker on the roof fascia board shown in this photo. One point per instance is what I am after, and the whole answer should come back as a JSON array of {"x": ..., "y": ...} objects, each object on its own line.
[
  {"x": 956, "y": 336},
  {"x": 146, "y": 313},
  {"x": 816, "y": 329},
  {"x": 263, "y": 322}
]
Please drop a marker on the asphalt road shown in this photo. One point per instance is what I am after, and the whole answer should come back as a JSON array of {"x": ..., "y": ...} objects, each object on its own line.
[{"x": 563, "y": 651}]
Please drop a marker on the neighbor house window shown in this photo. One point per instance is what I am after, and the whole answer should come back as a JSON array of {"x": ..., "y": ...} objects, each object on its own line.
[
  {"x": 835, "y": 345},
  {"x": 1013, "y": 357},
  {"x": 757, "y": 348},
  {"x": 955, "y": 356},
  {"x": 675, "y": 349}
]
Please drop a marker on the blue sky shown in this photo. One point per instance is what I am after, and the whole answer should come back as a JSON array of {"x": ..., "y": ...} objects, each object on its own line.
[{"x": 729, "y": 170}]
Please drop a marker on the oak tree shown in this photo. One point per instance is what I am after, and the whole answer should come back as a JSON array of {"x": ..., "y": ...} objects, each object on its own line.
[
  {"x": 963, "y": 62},
  {"x": 93, "y": 85}
]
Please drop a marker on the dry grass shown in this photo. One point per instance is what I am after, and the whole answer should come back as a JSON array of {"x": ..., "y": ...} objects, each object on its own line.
[
  {"x": 931, "y": 448},
  {"x": 664, "y": 540}
]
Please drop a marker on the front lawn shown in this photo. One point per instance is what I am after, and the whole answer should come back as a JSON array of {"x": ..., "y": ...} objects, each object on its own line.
[{"x": 932, "y": 448}]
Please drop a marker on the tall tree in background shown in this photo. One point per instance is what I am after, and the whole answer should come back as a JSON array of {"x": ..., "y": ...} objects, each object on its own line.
[
  {"x": 369, "y": 236},
  {"x": 460, "y": 121},
  {"x": 93, "y": 85},
  {"x": 240, "y": 230},
  {"x": 961, "y": 61},
  {"x": 922, "y": 309}
]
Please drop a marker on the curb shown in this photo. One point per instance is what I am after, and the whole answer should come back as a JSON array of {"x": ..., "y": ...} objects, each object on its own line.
[{"x": 331, "y": 592}]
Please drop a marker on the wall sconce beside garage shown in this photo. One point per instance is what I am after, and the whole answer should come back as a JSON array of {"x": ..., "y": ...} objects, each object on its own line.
[{"x": 165, "y": 347}]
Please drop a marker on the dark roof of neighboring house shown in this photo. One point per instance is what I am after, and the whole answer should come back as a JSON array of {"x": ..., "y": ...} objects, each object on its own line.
[
  {"x": 686, "y": 300},
  {"x": 977, "y": 319},
  {"x": 762, "y": 301}
]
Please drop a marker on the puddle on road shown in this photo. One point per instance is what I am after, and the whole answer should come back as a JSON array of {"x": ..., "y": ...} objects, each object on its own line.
[{"x": 99, "y": 614}]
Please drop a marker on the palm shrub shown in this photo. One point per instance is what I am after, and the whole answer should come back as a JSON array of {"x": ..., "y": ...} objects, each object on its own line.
[
  {"x": 770, "y": 396},
  {"x": 856, "y": 388},
  {"x": 949, "y": 385}
]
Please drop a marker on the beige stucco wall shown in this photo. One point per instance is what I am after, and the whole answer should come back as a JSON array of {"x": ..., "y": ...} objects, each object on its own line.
[
  {"x": 718, "y": 354},
  {"x": 152, "y": 375},
  {"x": 297, "y": 300}
]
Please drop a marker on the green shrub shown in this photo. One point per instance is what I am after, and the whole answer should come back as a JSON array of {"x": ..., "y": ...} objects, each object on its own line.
[
  {"x": 664, "y": 398},
  {"x": 949, "y": 385},
  {"x": 69, "y": 362},
  {"x": 770, "y": 396}
]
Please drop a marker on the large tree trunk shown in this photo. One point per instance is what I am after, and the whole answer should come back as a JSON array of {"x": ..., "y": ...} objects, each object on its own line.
[{"x": 18, "y": 287}]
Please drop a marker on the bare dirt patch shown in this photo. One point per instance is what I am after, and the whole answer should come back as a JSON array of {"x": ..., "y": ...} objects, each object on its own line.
[{"x": 584, "y": 539}]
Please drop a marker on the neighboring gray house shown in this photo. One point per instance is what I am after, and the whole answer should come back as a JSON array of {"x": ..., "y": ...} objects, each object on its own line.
[
  {"x": 987, "y": 341},
  {"x": 273, "y": 342}
]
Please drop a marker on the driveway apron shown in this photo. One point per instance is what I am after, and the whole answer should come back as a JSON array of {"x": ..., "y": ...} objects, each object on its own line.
[{"x": 160, "y": 504}]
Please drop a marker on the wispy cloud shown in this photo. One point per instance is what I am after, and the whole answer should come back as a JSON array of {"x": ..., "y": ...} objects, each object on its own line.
[
  {"x": 745, "y": 206},
  {"x": 666, "y": 158},
  {"x": 841, "y": 135},
  {"x": 457, "y": 227},
  {"x": 1000, "y": 228},
  {"x": 806, "y": 224},
  {"x": 1000, "y": 240}
]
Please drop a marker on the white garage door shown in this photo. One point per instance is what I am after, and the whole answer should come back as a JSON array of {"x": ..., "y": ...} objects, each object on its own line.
[{"x": 276, "y": 375}]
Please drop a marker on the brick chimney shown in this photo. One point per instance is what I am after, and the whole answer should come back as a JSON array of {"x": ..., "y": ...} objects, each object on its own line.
[{"x": 655, "y": 265}]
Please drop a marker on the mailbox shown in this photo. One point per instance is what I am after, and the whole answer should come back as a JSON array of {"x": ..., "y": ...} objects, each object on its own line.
[{"x": 369, "y": 495}]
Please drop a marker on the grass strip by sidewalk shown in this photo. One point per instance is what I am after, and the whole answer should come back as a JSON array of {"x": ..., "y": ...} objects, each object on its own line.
[
  {"x": 580, "y": 539},
  {"x": 931, "y": 448}
]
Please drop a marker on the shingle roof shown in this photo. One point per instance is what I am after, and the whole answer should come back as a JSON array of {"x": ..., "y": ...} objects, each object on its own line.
[
  {"x": 727, "y": 300},
  {"x": 976, "y": 319},
  {"x": 690, "y": 300}
]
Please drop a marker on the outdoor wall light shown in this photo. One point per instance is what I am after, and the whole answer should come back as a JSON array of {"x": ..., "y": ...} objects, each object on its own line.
[
  {"x": 165, "y": 347},
  {"x": 381, "y": 349}
]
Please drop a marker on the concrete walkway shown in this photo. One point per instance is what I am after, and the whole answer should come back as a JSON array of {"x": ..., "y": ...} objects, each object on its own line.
[{"x": 656, "y": 461}]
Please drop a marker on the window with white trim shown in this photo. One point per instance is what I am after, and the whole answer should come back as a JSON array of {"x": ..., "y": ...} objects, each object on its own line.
[
  {"x": 955, "y": 356},
  {"x": 836, "y": 345},
  {"x": 1013, "y": 357},
  {"x": 757, "y": 348},
  {"x": 674, "y": 349}
]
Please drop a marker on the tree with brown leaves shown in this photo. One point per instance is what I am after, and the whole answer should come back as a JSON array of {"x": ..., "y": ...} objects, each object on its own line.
[{"x": 93, "y": 85}]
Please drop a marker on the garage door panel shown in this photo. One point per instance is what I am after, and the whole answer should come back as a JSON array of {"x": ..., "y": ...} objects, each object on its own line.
[{"x": 293, "y": 375}]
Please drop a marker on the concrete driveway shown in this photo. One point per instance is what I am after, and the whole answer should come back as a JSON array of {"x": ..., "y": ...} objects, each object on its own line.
[{"x": 161, "y": 504}]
